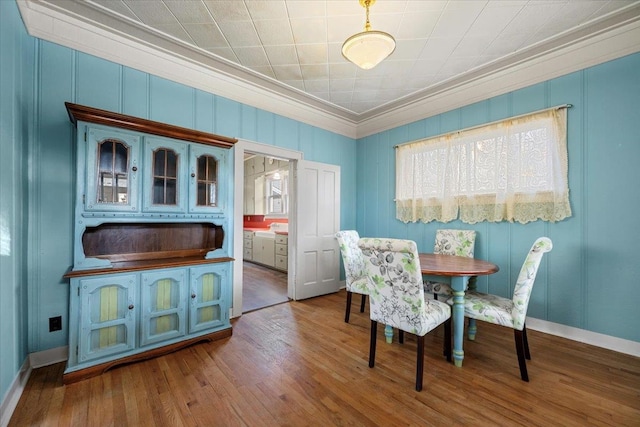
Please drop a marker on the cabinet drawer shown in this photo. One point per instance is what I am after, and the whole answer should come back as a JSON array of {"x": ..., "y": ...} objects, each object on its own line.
[
  {"x": 247, "y": 234},
  {"x": 248, "y": 243},
  {"x": 281, "y": 249},
  {"x": 282, "y": 262},
  {"x": 281, "y": 239},
  {"x": 247, "y": 254}
]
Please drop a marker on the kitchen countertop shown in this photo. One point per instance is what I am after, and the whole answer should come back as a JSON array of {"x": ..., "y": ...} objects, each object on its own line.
[{"x": 283, "y": 233}]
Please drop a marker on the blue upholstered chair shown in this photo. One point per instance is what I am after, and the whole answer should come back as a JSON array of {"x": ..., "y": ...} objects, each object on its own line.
[
  {"x": 450, "y": 242},
  {"x": 511, "y": 313},
  {"x": 354, "y": 269},
  {"x": 396, "y": 296}
]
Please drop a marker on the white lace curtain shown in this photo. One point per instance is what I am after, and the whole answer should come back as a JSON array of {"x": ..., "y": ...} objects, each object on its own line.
[{"x": 512, "y": 170}]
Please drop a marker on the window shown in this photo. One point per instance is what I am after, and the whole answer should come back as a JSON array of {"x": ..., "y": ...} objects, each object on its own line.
[
  {"x": 513, "y": 170},
  {"x": 277, "y": 193}
]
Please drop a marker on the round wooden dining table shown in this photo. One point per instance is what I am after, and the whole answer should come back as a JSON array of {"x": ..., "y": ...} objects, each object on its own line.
[{"x": 459, "y": 269}]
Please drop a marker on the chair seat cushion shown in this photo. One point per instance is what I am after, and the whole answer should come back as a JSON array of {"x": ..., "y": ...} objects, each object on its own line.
[
  {"x": 488, "y": 308},
  {"x": 438, "y": 288},
  {"x": 359, "y": 285},
  {"x": 437, "y": 311}
]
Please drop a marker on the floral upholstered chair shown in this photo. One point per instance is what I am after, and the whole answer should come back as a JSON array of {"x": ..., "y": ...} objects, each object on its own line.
[
  {"x": 512, "y": 312},
  {"x": 450, "y": 242},
  {"x": 396, "y": 296},
  {"x": 354, "y": 269}
]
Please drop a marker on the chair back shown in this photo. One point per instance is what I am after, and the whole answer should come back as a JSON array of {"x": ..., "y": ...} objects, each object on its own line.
[
  {"x": 526, "y": 278},
  {"x": 455, "y": 242},
  {"x": 353, "y": 260},
  {"x": 396, "y": 294}
]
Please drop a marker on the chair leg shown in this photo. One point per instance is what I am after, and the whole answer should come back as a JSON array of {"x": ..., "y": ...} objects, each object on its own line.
[
  {"x": 526, "y": 343},
  {"x": 372, "y": 344},
  {"x": 420, "y": 363},
  {"x": 447, "y": 339},
  {"x": 348, "y": 310},
  {"x": 521, "y": 357},
  {"x": 362, "y": 302},
  {"x": 435, "y": 297},
  {"x": 400, "y": 336}
]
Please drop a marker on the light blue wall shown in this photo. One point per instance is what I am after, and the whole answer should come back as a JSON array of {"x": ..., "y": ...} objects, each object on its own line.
[
  {"x": 16, "y": 109},
  {"x": 36, "y": 81},
  {"x": 590, "y": 279}
]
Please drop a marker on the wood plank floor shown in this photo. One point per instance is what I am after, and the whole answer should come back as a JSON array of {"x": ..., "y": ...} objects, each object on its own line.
[
  {"x": 262, "y": 287},
  {"x": 299, "y": 364}
]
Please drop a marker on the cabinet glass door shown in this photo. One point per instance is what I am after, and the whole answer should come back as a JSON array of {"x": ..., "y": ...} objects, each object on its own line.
[
  {"x": 164, "y": 295},
  {"x": 112, "y": 169},
  {"x": 206, "y": 191},
  {"x": 209, "y": 307},
  {"x": 107, "y": 316},
  {"x": 165, "y": 164}
]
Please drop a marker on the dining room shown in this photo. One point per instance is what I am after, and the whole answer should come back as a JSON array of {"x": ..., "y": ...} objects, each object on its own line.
[{"x": 300, "y": 359}]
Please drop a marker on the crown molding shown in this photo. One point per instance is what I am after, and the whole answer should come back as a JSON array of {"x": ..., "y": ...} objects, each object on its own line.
[
  {"x": 612, "y": 37},
  {"x": 49, "y": 22}
]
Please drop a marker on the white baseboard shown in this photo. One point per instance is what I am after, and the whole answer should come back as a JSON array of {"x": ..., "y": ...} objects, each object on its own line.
[
  {"x": 12, "y": 397},
  {"x": 49, "y": 357},
  {"x": 593, "y": 338},
  {"x": 34, "y": 360}
]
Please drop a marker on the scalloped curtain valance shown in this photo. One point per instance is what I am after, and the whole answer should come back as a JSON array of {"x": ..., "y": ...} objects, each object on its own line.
[{"x": 513, "y": 170}]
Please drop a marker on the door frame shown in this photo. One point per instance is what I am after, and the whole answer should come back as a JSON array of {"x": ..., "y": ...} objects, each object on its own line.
[{"x": 239, "y": 149}]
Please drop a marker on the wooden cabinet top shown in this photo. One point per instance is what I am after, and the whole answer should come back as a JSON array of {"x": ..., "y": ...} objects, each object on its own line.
[{"x": 109, "y": 118}]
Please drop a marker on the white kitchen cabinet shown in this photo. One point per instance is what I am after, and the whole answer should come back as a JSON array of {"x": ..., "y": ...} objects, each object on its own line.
[{"x": 264, "y": 250}]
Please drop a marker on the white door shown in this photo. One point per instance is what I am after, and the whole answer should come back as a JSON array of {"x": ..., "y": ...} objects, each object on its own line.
[{"x": 317, "y": 221}]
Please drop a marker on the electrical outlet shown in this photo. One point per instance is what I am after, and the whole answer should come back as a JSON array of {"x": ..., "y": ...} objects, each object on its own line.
[{"x": 55, "y": 323}]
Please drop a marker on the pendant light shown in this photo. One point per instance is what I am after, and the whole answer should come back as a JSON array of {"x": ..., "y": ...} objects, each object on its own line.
[{"x": 368, "y": 48}]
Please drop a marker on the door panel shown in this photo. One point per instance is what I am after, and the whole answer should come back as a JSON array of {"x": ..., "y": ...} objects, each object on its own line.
[{"x": 317, "y": 222}]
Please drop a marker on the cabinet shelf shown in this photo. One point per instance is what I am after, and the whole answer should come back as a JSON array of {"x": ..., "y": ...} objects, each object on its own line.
[{"x": 123, "y": 267}]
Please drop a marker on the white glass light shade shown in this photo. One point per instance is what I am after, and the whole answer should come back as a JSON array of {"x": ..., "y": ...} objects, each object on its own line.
[{"x": 369, "y": 48}]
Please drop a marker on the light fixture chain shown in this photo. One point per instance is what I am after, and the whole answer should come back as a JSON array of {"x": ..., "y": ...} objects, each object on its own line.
[{"x": 367, "y": 25}]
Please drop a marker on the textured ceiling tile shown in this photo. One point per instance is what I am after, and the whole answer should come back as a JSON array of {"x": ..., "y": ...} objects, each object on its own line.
[
  {"x": 189, "y": 12},
  {"x": 206, "y": 35},
  {"x": 282, "y": 55},
  {"x": 340, "y": 97},
  {"x": 151, "y": 12},
  {"x": 274, "y": 32},
  {"x": 317, "y": 85},
  {"x": 342, "y": 70},
  {"x": 232, "y": 10},
  {"x": 175, "y": 30},
  {"x": 261, "y": 9},
  {"x": 408, "y": 49},
  {"x": 306, "y": 9},
  {"x": 239, "y": 33},
  {"x": 310, "y": 54},
  {"x": 309, "y": 30},
  {"x": 287, "y": 72},
  {"x": 251, "y": 56},
  {"x": 456, "y": 18},
  {"x": 264, "y": 70},
  {"x": 224, "y": 52},
  {"x": 417, "y": 25},
  {"x": 342, "y": 84},
  {"x": 312, "y": 72}
]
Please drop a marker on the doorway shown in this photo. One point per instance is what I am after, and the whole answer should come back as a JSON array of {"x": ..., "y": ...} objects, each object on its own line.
[
  {"x": 265, "y": 231},
  {"x": 243, "y": 149},
  {"x": 314, "y": 218}
]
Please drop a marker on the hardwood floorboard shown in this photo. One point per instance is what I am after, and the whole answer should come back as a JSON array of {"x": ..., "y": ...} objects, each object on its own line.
[
  {"x": 262, "y": 287},
  {"x": 299, "y": 364}
]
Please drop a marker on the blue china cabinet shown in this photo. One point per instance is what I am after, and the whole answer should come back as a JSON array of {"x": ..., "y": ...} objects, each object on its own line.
[{"x": 152, "y": 240}]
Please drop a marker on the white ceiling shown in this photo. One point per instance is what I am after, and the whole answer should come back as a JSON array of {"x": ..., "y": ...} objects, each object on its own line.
[{"x": 292, "y": 47}]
